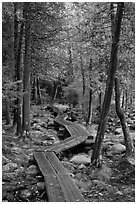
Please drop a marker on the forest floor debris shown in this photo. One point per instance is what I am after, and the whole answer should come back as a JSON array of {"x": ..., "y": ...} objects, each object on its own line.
[{"x": 21, "y": 181}]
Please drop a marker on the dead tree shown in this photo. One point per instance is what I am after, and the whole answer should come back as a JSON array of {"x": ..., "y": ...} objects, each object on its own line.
[{"x": 121, "y": 115}]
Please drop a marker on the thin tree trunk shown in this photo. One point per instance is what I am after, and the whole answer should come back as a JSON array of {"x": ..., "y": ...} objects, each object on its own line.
[
  {"x": 38, "y": 93},
  {"x": 99, "y": 101},
  {"x": 120, "y": 113},
  {"x": 26, "y": 74},
  {"x": 34, "y": 90},
  {"x": 89, "y": 118},
  {"x": 84, "y": 85},
  {"x": 123, "y": 98},
  {"x": 70, "y": 68},
  {"x": 126, "y": 100},
  {"x": 55, "y": 92},
  {"x": 96, "y": 156},
  {"x": 7, "y": 112},
  {"x": 18, "y": 35},
  {"x": 90, "y": 108}
]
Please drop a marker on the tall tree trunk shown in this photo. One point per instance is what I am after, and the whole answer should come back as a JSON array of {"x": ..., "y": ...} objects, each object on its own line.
[
  {"x": 38, "y": 93},
  {"x": 90, "y": 108},
  {"x": 34, "y": 90},
  {"x": 7, "y": 112},
  {"x": 18, "y": 35},
  {"x": 26, "y": 74},
  {"x": 55, "y": 91},
  {"x": 84, "y": 85},
  {"x": 96, "y": 156},
  {"x": 120, "y": 113},
  {"x": 126, "y": 100},
  {"x": 89, "y": 118},
  {"x": 70, "y": 64},
  {"x": 123, "y": 99},
  {"x": 99, "y": 102}
]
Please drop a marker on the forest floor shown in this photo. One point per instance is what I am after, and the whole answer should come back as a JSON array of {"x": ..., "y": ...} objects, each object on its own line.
[{"x": 21, "y": 182}]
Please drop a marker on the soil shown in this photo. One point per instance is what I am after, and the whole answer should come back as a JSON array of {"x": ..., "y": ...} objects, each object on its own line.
[{"x": 22, "y": 182}]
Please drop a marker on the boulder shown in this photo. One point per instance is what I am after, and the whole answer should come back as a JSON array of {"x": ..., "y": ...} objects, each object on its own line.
[
  {"x": 10, "y": 167},
  {"x": 118, "y": 131},
  {"x": 4, "y": 160},
  {"x": 81, "y": 166},
  {"x": 81, "y": 159},
  {"x": 119, "y": 147},
  {"x": 32, "y": 170},
  {"x": 41, "y": 186},
  {"x": 25, "y": 194}
]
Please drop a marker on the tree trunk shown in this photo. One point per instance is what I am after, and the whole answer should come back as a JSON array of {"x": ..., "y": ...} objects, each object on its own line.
[
  {"x": 70, "y": 68},
  {"x": 99, "y": 102},
  {"x": 120, "y": 113},
  {"x": 34, "y": 90},
  {"x": 18, "y": 35},
  {"x": 90, "y": 108},
  {"x": 38, "y": 93},
  {"x": 55, "y": 91},
  {"x": 126, "y": 100},
  {"x": 7, "y": 112},
  {"x": 84, "y": 85},
  {"x": 96, "y": 156},
  {"x": 123, "y": 98},
  {"x": 89, "y": 118},
  {"x": 26, "y": 74}
]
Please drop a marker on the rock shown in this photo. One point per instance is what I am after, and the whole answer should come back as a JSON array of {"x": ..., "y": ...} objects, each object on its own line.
[
  {"x": 78, "y": 176},
  {"x": 40, "y": 186},
  {"x": 118, "y": 131},
  {"x": 119, "y": 147},
  {"x": 20, "y": 170},
  {"x": 69, "y": 166},
  {"x": 25, "y": 194},
  {"x": 98, "y": 183},
  {"x": 89, "y": 141},
  {"x": 81, "y": 166},
  {"x": 10, "y": 167},
  {"x": 32, "y": 170},
  {"x": 119, "y": 193},
  {"x": 9, "y": 176},
  {"x": 129, "y": 121},
  {"x": 90, "y": 152},
  {"x": 81, "y": 159},
  {"x": 132, "y": 126},
  {"x": 4, "y": 160}
]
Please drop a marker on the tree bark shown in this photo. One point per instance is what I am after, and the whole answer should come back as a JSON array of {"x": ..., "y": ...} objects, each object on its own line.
[
  {"x": 34, "y": 90},
  {"x": 38, "y": 93},
  {"x": 84, "y": 84},
  {"x": 89, "y": 118},
  {"x": 126, "y": 100},
  {"x": 123, "y": 98},
  {"x": 70, "y": 68},
  {"x": 120, "y": 113},
  {"x": 26, "y": 74},
  {"x": 18, "y": 35},
  {"x": 96, "y": 156},
  {"x": 90, "y": 108},
  {"x": 7, "y": 112}
]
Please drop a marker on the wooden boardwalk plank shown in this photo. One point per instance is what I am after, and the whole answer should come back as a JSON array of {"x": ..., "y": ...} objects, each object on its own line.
[
  {"x": 45, "y": 166},
  {"x": 71, "y": 142},
  {"x": 70, "y": 189},
  {"x": 83, "y": 130},
  {"x": 53, "y": 189},
  {"x": 72, "y": 132},
  {"x": 57, "y": 165}
]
